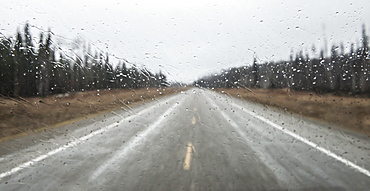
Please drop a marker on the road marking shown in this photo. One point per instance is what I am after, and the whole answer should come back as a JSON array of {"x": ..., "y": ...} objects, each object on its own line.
[
  {"x": 133, "y": 142},
  {"x": 187, "y": 160},
  {"x": 193, "y": 121},
  {"x": 75, "y": 142},
  {"x": 308, "y": 142},
  {"x": 296, "y": 136}
]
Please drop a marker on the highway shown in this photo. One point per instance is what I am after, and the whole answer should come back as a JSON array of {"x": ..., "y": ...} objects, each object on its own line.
[{"x": 193, "y": 140}]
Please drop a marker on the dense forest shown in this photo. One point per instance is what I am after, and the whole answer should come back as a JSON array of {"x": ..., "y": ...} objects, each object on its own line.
[
  {"x": 340, "y": 72},
  {"x": 39, "y": 69}
]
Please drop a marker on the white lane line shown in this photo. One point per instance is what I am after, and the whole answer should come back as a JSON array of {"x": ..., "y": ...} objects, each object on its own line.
[
  {"x": 296, "y": 136},
  {"x": 75, "y": 142},
  {"x": 308, "y": 142},
  {"x": 133, "y": 142}
]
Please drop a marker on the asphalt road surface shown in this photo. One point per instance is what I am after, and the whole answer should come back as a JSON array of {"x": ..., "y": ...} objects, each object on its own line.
[{"x": 194, "y": 140}]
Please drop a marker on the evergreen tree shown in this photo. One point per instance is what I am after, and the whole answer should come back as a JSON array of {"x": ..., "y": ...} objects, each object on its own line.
[
  {"x": 29, "y": 62},
  {"x": 255, "y": 72},
  {"x": 7, "y": 67}
]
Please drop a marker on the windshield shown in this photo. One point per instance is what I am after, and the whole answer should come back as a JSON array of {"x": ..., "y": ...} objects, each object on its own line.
[{"x": 184, "y": 95}]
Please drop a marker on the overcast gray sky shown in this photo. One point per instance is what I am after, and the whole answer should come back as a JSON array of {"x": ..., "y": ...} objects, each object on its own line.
[{"x": 191, "y": 38}]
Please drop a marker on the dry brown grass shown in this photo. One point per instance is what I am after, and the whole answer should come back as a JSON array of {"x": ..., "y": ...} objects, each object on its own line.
[
  {"x": 348, "y": 112},
  {"x": 27, "y": 114}
]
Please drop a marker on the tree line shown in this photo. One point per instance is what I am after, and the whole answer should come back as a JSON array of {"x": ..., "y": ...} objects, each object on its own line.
[
  {"x": 340, "y": 72},
  {"x": 39, "y": 69}
]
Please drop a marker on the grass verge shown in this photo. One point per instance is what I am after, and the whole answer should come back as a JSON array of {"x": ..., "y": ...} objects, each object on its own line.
[
  {"x": 24, "y": 115},
  {"x": 347, "y": 112}
]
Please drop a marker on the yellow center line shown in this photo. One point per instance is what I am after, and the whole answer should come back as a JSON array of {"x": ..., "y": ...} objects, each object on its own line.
[
  {"x": 187, "y": 160},
  {"x": 193, "y": 121}
]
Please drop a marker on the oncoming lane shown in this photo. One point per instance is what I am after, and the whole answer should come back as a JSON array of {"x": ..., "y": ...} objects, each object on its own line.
[{"x": 199, "y": 140}]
